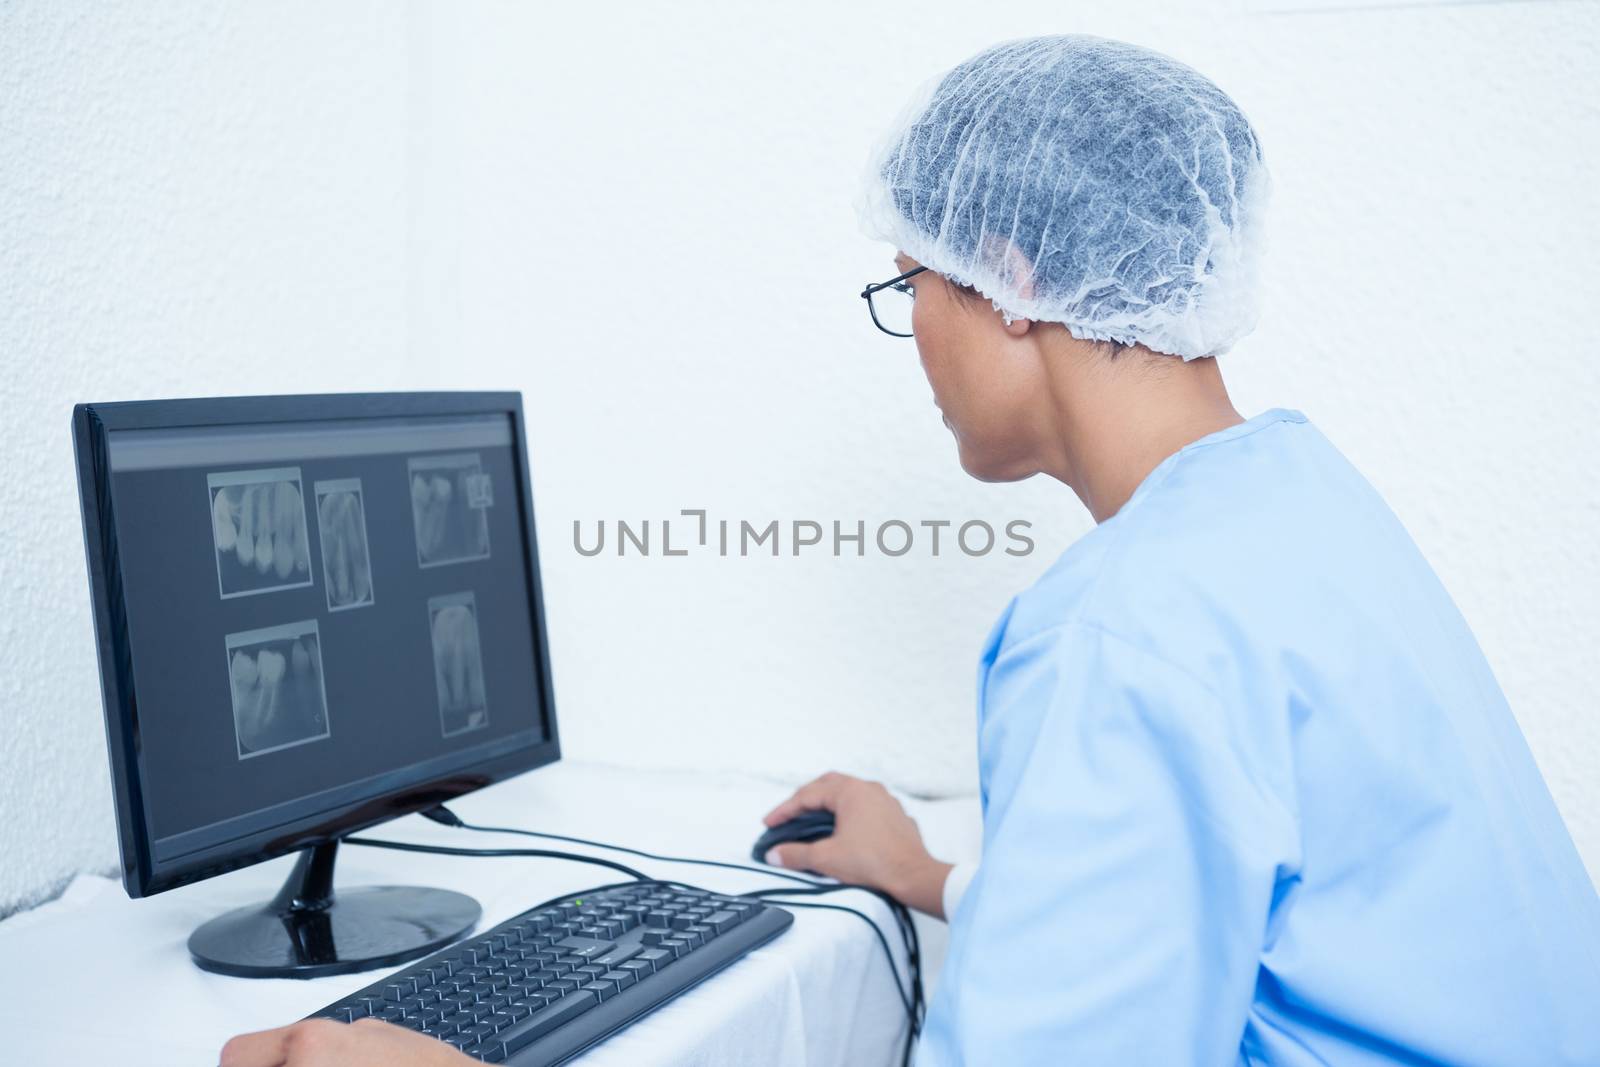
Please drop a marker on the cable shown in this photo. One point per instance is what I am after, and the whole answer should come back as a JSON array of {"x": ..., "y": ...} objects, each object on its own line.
[
  {"x": 446, "y": 850},
  {"x": 908, "y": 934},
  {"x": 913, "y": 1002},
  {"x": 905, "y": 1000},
  {"x": 916, "y": 1005},
  {"x": 445, "y": 817}
]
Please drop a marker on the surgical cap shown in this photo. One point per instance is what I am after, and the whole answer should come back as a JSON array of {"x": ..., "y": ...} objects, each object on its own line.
[{"x": 1083, "y": 181}]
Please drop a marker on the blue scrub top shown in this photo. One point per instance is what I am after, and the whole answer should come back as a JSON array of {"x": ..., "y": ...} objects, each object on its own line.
[{"x": 1252, "y": 796}]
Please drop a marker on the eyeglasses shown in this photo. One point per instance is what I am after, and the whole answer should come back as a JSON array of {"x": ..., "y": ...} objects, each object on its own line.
[{"x": 890, "y": 303}]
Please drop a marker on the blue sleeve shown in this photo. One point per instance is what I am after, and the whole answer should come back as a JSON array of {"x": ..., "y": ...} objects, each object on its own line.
[{"x": 1129, "y": 865}]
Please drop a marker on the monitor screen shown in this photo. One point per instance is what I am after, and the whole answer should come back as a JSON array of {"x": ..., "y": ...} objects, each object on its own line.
[{"x": 319, "y": 614}]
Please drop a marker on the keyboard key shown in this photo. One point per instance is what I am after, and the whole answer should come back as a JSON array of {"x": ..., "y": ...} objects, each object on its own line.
[
  {"x": 600, "y": 988},
  {"x": 653, "y": 936},
  {"x": 656, "y": 957},
  {"x": 617, "y": 955},
  {"x": 539, "y": 998},
  {"x": 621, "y": 979},
  {"x": 682, "y": 921},
  {"x": 541, "y": 1022},
  {"x": 677, "y": 946},
  {"x": 722, "y": 920},
  {"x": 585, "y": 947},
  {"x": 641, "y": 968}
]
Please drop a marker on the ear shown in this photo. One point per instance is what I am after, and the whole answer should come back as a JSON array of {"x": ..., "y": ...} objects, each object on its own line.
[{"x": 1016, "y": 272}]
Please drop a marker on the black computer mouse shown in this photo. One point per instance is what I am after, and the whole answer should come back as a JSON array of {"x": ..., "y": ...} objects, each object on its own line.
[{"x": 807, "y": 826}]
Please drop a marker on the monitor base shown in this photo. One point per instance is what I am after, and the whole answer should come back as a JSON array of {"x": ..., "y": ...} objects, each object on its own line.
[{"x": 306, "y": 932}]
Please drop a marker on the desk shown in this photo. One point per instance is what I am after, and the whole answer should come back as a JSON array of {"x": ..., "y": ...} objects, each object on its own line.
[{"x": 94, "y": 977}]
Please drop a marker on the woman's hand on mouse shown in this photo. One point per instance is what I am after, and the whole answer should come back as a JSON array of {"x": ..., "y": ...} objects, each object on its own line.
[
  {"x": 874, "y": 842},
  {"x": 325, "y": 1043}
]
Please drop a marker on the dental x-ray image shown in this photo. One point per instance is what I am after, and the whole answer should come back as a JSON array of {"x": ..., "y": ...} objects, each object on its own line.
[
  {"x": 258, "y": 524},
  {"x": 346, "y": 563},
  {"x": 279, "y": 700},
  {"x": 449, "y": 498},
  {"x": 458, "y": 663}
]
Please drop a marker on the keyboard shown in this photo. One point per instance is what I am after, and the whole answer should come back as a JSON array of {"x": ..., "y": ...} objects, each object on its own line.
[{"x": 541, "y": 987}]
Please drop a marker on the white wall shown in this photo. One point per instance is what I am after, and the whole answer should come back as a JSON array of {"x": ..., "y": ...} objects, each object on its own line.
[{"x": 641, "y": 216}]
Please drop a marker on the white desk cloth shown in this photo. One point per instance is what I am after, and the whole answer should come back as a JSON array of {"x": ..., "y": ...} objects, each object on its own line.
[{"x": 94, "y": 977}]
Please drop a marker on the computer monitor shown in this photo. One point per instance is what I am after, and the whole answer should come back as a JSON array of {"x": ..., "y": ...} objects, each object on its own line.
[{"x": 313, "y": 614}]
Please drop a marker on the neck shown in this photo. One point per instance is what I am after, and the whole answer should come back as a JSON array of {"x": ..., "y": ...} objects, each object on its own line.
[{"x": 1117, "y": 419}]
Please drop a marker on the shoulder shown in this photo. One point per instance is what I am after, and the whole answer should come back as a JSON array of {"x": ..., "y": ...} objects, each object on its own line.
[{"x": 1216, "y": 538}]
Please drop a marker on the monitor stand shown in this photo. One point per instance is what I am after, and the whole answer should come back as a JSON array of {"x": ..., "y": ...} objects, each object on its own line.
[{"x": 304, "y": 932}]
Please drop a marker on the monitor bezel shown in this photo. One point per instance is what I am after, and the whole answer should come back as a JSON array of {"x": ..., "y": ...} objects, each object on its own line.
[{"x": 142, "y": 873}]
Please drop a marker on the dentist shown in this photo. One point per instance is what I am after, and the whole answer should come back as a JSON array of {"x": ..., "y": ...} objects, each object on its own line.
[{"x": 1251, "y": 794}]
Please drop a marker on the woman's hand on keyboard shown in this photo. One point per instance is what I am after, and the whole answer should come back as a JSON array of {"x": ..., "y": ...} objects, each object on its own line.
[
  {"x": 325, "y": 1043},
  {"x": 874, "y": 842}
]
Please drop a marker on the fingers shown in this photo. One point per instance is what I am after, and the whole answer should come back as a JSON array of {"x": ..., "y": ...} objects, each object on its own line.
[
  {"x": 801, "y": 856},
  {"x": 820, "y": 793},
  {"x": 308, "y": 1043},
  {"x": 268, "y": 1048}
]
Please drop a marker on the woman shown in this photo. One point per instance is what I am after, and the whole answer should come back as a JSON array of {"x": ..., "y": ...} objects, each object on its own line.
[{"x": 1251, "y": 794}]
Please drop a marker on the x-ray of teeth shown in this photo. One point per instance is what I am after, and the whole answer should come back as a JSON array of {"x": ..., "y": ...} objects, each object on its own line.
[
  {"x": 448, "y": 507},
  {"x": 279, "y": 700},
  {"x": 346, "y": 563},
  {"x": 458, "y": 663},
  {"x": 258, "y": 525}
]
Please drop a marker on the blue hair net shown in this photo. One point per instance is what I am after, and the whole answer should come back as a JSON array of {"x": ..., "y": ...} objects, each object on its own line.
[{"x": 1083, "y": 181}]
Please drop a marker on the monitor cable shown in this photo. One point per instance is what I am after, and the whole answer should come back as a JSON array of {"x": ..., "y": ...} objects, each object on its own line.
[
  {"x": 911, "y": 993},
  {"x": 907, "y": 988}
]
